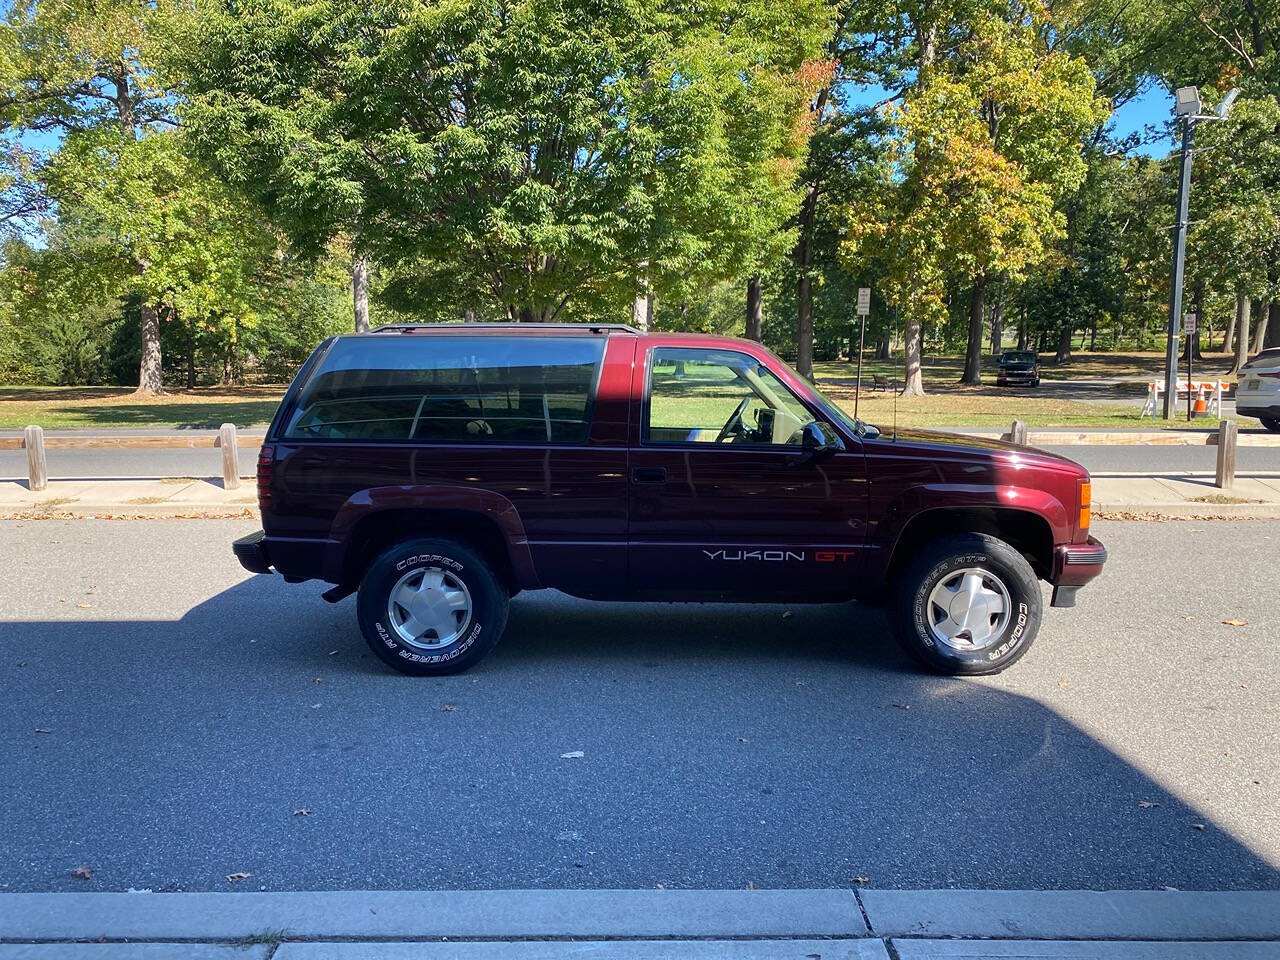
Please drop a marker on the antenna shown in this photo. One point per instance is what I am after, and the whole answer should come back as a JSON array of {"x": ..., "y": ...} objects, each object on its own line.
[{"x": 904, "y": 377}]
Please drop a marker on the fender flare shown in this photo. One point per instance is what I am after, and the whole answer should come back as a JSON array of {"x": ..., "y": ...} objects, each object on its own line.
[
  {"x": 435, "y": 496},
  {"x": 925, "y": 497}
]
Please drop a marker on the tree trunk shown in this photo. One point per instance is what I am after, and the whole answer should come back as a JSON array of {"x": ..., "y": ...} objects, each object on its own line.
[
  {"x": 191, "y": 363},
  {"x": 755, "y": 309},
  {"x": 1022, "y": 333},
  {"x": 804, "y": 326},
  {"x": 1242, "y": 336},
  {"x": 977, "y": 312},
  {"x": 1272, "y": 339},
  {"x": 642, "y": 307},
  {"x": 1064, "y": 343},
  {"x": 997, "y": 323},
  {"x": 150, "y": 371},
  {"x": 883, "y": 351},
  {"x": 360, "y": 292},
  {"x": 914, "y": 383},
  {"x": 1093, "y": 335},
  {"x": 1260, "y": 335},
  {"x": 468, "y": 315},
  {"x": 1231, "y": 330}
]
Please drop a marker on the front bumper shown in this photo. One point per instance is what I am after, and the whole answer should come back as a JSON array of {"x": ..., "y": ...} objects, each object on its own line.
[
  {"x": 251, "y": 551},
  {"x": 1074, "y": 565}
]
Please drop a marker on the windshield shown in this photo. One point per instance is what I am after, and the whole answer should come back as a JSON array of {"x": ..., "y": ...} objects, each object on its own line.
[{"x": 1018, "y": 358}]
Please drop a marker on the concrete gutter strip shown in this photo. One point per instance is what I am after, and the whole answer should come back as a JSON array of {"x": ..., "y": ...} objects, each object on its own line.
[
  {"x": 133, "y": 951},
  {"x": 1075, "y": 914},
  {"x": 1079, "y": 950},
  {"x": 463, "y": 914},
  {"x": 592, "y": 950}
]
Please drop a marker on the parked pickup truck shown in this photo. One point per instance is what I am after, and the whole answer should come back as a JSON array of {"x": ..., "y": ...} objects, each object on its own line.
[{"x": 439, "y": 470}]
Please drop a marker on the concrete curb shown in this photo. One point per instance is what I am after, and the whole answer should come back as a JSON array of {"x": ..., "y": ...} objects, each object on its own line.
[
  {"x": 642, "y": 915},
  {"x": 462, "y": 914},
  {"x": 1075, "y": 914}
]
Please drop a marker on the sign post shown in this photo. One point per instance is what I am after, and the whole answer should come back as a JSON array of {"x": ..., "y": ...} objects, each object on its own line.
[
  {"x": 1192, "y": 337},
  {"x": 864, "y": 307}
]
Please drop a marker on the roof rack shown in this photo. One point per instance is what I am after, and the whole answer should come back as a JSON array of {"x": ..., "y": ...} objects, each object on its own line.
[{"x": 589, "y": 327}]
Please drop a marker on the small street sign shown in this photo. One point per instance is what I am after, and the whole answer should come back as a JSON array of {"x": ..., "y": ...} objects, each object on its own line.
[
  {"x": 1191, "y": 322},
  {"x": 864, "y": 301}
]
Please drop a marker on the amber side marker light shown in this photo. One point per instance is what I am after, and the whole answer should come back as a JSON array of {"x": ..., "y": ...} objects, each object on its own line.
[{"x": 1086, "y": 490}]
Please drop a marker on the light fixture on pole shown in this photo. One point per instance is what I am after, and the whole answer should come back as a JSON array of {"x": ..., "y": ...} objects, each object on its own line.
[{"x": 1186, "y": 105}]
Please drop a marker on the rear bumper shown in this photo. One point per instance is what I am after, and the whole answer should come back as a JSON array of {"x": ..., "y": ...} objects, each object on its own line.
[
  {"x": 1264, "y": 408},
  {"x": 251, "y": 551},
  {"x": 1074, "y": 565}
]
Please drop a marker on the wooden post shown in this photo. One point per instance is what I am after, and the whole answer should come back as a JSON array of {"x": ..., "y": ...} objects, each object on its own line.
[
  {"x": 1226, "y": 475},
  {"x": 1018, "y": 433},
  {"x": 230, "y": 456},
  {"x": 37, "y": 466}
]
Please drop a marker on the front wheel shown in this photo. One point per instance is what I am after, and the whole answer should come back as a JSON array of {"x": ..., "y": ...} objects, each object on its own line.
[
  {"x": 431, "y": 607},
  {"x": 967, "y": 605},
  {"x": 1271, "y": 423}
]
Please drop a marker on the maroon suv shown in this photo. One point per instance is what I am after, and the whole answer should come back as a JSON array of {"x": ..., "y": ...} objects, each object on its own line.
[{"x": 439, "y": 470}]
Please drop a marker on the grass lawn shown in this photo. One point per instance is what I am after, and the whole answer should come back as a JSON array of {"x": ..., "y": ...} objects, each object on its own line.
[
  {"x": 946, "y": 403},
  {"x": 88, "y": 408}
]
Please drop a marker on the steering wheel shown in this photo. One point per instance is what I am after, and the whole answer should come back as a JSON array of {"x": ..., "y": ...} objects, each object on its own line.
[{"x": 734, "y": 422}]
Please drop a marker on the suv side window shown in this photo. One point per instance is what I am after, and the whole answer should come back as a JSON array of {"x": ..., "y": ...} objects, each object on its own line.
[
  {"x": 451, "y": 389},
  {"x": 718, "y": 396}
]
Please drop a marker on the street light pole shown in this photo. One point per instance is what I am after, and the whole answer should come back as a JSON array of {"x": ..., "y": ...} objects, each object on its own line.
[
  {"x": 1179, "y": 263},
  {"x": 1187, "y": 106}
]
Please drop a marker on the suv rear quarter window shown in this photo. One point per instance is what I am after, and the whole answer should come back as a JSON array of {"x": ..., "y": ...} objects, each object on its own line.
[{"x": 451, "y": 389}]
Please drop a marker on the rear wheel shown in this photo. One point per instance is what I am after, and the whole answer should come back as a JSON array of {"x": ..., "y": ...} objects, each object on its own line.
[
  {"x": 430, "y": 607},
  {"x": 967, "y": 604},
  {"x": 1271, "y": 423}
]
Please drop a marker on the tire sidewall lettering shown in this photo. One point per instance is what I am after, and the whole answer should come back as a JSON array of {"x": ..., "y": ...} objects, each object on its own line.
[{"x": 392, "y": 643}]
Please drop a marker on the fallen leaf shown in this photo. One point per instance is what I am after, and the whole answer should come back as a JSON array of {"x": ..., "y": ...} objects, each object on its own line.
[
  {"x": 1148, "y": 804},
  {"x": 82, "y": 873},
  {"x": 302, "y": 812},
  {"x": 861, "y": 881},
  {"x": 333, "y": 653},
  {"x": 751, "y": 886},
  {"x": 237, "y": 877},
  {"x": 1235, "y": 623},
  {"x": 315, "y": 706},
  {"x": 1197, "y": 826},
  {"x": 743, "y": 740},
  {"x": 449, "y": 708},
  {"x": 84, "y": 606},
  {"x": 317, "y": 679},
  {"x": 786, "y": 614},
  {"x": 572, "y": 755},
  {"x": 42, "y": 730},
  {"x": 902, "y": 706}
]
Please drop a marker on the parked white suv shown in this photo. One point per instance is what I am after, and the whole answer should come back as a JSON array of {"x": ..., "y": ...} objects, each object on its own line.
[{"x": 1258, "y": 392}]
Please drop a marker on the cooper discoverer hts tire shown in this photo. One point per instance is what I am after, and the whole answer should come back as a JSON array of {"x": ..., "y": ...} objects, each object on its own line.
[
  {"x": 967, "y": 604},
  {"x": 431, "y": 607}
]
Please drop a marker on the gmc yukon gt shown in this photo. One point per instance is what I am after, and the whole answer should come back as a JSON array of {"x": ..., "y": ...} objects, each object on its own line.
[{"x": 438, "y": 470}]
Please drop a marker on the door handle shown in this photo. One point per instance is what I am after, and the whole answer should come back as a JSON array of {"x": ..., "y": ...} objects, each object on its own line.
[{"x": 649, "y": 475}]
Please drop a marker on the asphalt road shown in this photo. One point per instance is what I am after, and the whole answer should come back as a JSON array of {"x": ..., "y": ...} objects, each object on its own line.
[
  {"x": 206, "y": 462},
  {"x": 165, "y": 719}
]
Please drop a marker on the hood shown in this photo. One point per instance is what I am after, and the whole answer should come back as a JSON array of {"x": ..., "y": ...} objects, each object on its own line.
[{"x": 960, "y": 443}]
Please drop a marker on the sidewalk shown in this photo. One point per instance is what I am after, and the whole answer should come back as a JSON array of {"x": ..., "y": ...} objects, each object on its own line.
[
  {"x": 643, "y": 925},
  {"x": 1176, "y": 496}
]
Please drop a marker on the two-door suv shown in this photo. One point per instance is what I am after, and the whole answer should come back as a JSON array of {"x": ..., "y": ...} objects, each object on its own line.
[{"x": 439, "y": 470}]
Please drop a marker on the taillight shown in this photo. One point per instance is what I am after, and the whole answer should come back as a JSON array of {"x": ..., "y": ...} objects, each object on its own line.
[
  {"x": 1086, "y": 495},
  {"x": 266, "y": 460}
]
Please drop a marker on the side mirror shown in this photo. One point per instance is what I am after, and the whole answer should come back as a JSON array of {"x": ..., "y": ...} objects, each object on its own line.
[{"x": 817, "y": 438}]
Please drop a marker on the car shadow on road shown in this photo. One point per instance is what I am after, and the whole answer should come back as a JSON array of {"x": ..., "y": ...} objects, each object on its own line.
[{"x": 720, "y": 746}]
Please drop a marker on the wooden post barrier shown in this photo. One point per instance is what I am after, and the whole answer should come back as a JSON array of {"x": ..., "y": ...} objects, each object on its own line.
[
  {"x": 1018, "y": 433},
  {"x": 37, "y": 466},
  {"x": 1226, "y": 473},
  {"x": 230, "y": 456}
]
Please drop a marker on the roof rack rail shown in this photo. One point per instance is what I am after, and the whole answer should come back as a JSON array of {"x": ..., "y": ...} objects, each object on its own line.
[{"x": 591, "y": 327}]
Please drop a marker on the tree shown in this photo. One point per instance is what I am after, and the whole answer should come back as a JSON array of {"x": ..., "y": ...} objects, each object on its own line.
[
  {"x": 74, "y": 66},
  {"x": 982, "y": 149},
  {"x": 539, "y": 158}
]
